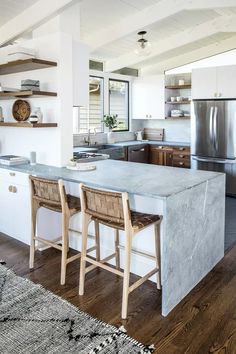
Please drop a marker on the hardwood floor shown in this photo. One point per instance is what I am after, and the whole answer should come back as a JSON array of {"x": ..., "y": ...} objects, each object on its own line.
[{"x": 204, "y": 322}]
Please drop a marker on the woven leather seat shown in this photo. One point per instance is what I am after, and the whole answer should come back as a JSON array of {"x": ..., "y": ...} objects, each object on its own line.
[
  {"x": 112, "y": 209},
  {"x": 138, "y": 221}
]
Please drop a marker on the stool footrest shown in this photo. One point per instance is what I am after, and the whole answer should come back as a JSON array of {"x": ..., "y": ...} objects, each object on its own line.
[
  {"x": 49, "y": 243},
  {"x": 142, "y": 280},
  {"x": 101, "y": 264},
  {"x": 73, "y": 258}
]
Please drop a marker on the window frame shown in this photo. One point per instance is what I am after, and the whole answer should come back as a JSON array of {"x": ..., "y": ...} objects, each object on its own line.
[
  {"x": 128, "y": 101},
  {"x": 103, "y": 103}
]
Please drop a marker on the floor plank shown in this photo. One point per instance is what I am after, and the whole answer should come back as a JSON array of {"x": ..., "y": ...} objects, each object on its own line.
[{"x": 204, "y": 322}]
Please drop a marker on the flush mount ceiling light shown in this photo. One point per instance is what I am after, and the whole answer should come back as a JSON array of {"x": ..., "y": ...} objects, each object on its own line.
[{"x": 143, "y": 45}]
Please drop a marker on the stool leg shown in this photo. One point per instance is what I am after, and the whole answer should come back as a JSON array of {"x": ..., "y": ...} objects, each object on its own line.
[
  {"x": 158, "y": 253},
  {"x": 128, "y": 244},
  {"x": 97, "y": 240},
  {"x": 65, "y": 227},
  {"x": 85, "y": 222},
  {"x": 117, "y": 250},
  {"x": 33, "y": 234}
]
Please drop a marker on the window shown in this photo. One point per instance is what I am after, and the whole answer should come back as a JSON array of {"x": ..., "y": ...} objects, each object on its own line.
[
  {"x": 119, "y": 102},
  {"x": 91, "y": 118},
  {"x": 106, "y": 96}
]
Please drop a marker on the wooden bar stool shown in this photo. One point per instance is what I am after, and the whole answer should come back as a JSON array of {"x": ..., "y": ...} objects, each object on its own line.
[
  {"x": 51, "y": 195},
  {"x": 112, "y": 209}
]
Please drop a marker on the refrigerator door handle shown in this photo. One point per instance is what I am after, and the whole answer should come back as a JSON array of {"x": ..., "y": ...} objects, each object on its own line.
[
  {"x": 214, "y": 160},
  {"x": 211, "y": 124},
  {"x": 215, "y": 128}
]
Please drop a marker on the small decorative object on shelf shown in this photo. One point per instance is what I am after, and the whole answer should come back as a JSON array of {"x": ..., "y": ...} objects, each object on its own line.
[
  {"x": 181, "y": 82},
  {"x": 33, "y": 85},
  {"x": 1, "y": 115},
  {"x": 21, "y": 110},
  {"x": 39, "y": 114},
  {"x": 110, "y": 122},
  {"x": 33, "y": 118}
]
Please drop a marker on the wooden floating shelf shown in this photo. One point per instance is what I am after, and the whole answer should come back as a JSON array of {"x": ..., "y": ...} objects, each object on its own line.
[
  {"x": 180, "y": 102},
  {"x": 28, "y": 125},
  {"x": 179, "y": 87},
  {"x": 25, "y": 65},
  {"x": 23, "y": 94},
  {"x": 182, "y": 117}
]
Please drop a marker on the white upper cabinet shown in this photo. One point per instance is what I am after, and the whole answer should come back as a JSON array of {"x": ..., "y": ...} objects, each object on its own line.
[
  {"x": 226, "y": 79},
  {"x": 204, "y": 83},
  {"x": 148, "y": 98},
  {"x": 214, "y": 83}
]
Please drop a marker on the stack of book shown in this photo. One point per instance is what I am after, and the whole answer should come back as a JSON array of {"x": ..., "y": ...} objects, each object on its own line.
[{"x": 12, "y": 160}]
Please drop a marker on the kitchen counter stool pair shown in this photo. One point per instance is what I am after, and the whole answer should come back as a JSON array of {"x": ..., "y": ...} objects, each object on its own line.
[{"x": 102, "y": 207}]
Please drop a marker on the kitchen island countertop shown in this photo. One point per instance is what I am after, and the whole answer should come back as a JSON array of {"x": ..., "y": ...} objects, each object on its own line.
[{"x": 135, "y": 178}]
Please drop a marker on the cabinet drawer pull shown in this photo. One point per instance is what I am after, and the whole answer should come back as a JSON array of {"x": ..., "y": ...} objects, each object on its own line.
[
  {"x": 181, "y": 163},
  {"x": 138, "y": 150},
  {"x": 14, "y": 189},
  {"x": 12, "y": 174},
  {"x": 181, "y": 156}
]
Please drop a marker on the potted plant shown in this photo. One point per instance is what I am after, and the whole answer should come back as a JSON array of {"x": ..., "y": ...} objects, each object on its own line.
[{"x": 111, "y": 122}]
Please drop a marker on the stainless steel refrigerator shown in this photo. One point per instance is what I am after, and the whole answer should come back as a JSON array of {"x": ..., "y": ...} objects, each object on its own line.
[{"x": 213, "y": 138}]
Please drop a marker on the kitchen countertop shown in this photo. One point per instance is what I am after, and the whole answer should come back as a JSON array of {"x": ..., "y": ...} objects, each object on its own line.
[
  {"x": 135, "y": 178},
  {"x": 136, "y": 142}
]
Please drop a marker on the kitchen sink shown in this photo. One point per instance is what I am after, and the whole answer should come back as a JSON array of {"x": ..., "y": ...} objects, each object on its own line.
[{"x": 115, "y": 152}]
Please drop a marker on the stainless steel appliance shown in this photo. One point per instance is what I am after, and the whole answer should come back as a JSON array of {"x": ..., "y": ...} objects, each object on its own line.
[
  {"x": 213, "y": 138},
  {"x": 138, "y": 153}
]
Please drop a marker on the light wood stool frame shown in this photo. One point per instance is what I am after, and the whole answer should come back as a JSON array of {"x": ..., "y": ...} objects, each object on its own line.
[
  {"x": 130, "y": 232},
  {"x": 67, "y": 213}
]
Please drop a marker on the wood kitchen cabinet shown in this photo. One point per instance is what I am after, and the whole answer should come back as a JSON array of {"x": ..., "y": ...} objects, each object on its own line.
[
  {"x": 170, "y": 156},
  {"x": 161, "y": 155},
  {"x": 214, "y": 82},
  {"x": 181, "y": 157}
]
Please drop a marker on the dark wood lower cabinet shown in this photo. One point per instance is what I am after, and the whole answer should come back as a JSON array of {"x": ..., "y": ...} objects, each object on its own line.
[
  {"x": 170, "y": 156},
  {"x": 161, "y": 155}
]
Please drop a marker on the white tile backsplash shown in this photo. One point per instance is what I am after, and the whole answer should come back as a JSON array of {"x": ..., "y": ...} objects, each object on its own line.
[
  {"x": 101, "y": 138},
  {"x": 175, "y": 130}
]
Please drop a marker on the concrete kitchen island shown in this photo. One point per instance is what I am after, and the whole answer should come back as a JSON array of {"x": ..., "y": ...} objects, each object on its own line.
[{"x": 193, "y": 207}]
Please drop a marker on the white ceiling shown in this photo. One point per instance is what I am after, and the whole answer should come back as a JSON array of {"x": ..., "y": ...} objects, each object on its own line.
[
  {"x": 103, "y": 13},
  {"x": 175, "y": 28},
  {"x": 98, "y": 15},
  {"x": 11, "y": 8}
]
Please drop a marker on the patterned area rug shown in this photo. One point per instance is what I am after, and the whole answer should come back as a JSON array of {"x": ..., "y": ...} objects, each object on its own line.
[{"x": 33, "y": 320}]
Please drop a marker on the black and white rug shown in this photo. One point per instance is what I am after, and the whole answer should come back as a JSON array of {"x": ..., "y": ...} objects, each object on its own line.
[{"x": 33, "y": 320}]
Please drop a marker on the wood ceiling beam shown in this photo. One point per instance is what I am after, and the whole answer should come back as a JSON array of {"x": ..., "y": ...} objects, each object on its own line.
[
  {"x": 207, "y": 29},
  {"x": 190, "y": 57},
  {"x": 32, "y": 17},
  {"x": 148, "y": 16}
]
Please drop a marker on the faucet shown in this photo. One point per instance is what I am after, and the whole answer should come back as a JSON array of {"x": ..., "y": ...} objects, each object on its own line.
[{"x": 87, "y": 139}]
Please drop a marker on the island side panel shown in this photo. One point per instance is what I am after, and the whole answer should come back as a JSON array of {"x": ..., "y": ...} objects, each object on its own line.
[{"x": 194, "y": 238}]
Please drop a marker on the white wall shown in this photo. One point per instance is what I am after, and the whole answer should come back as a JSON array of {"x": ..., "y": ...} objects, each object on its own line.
[
  {"x": 227, "y": 58},
  {"x": 47, "y": 142}
]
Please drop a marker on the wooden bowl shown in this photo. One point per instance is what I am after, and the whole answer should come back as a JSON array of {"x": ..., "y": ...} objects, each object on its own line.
[{"x": 21, "y": 110}]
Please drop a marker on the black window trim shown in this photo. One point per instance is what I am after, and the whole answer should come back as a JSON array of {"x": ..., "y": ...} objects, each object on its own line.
[
  {"x": 103, "y": 95},
  {"x": 127, "y": 82}
]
